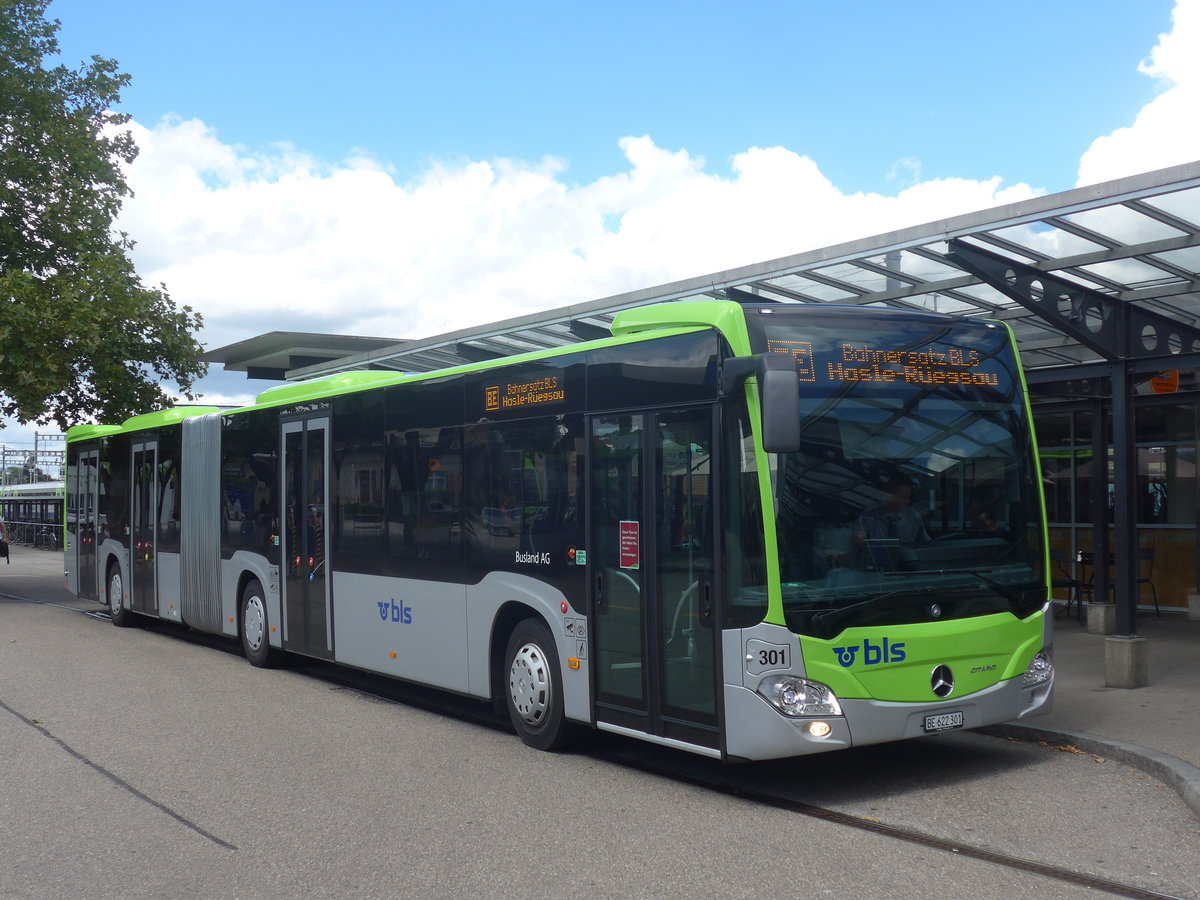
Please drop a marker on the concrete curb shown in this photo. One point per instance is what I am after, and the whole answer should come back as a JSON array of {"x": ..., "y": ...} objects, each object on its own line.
[{"x": 1182, "y": 777}]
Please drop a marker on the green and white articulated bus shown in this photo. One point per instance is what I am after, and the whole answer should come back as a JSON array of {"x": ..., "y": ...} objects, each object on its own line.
[{"x": 745, "y": 531}]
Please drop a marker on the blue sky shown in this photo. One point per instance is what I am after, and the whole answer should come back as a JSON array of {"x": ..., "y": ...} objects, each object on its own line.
[
  {"x": 403, "y": 169},
  {"x": 1018, "y": 88}
]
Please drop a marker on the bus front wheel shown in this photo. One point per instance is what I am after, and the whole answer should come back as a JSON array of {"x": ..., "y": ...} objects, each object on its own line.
[
  {"x": 118, "y": 611},
  {"x": 255, "y": 630},
  {"x": 533, "y": 689}
]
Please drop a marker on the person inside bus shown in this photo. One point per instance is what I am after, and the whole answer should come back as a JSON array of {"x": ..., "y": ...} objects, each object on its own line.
[
  {"x": 894, "y": 518},
  {"x": 888, "y": 532},
  {"x": 985, "y": 520}
]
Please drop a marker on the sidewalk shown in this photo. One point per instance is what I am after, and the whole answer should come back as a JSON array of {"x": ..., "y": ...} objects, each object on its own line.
[{"x": 1155, "y": 728}]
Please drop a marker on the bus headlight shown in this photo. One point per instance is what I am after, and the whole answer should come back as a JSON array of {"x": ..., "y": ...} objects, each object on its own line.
[
  {"x": 1040, "y": 669},
  {"x": 794, "y": 696}
]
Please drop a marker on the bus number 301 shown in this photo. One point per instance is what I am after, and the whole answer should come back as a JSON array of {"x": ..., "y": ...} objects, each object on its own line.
[{"x": 762, "y": 656}]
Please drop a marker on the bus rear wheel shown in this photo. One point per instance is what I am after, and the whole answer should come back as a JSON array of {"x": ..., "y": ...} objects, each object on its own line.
[
  {"x": 533, "y": 689},
  {"x": 254, "y": 628},
  {"x": 121, "y": 615}
]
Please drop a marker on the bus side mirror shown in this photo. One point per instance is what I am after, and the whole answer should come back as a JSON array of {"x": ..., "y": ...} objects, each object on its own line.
[{"x": 777, "y": 390}]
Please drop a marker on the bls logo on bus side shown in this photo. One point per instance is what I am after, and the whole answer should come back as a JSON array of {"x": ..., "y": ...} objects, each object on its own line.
[
  {"x": 872, "y": 654},
  {"x": 397, "y": 613}
]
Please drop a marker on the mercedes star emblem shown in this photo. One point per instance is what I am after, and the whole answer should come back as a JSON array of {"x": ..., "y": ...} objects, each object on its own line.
[{"x": 942, "y": 681}]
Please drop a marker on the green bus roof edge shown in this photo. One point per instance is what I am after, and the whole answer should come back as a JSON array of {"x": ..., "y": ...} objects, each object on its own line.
[
  {"x": 166, "y": 417},
  {"x": 325, "y": 386},
  {"x": 726, "y": 316},
  {"x": 87, "y": 432}
]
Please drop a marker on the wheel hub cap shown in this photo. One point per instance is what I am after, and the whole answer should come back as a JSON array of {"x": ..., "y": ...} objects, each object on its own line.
[
  {"x": 255, "y": 622},
  {"x": 529, "y": 684}
]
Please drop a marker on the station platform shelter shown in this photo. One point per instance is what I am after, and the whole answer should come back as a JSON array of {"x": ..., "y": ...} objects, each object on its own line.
[{"x": 1101, "y": 286}]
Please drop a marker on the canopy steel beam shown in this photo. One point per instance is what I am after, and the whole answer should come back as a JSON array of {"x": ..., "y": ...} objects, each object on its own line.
[
  {"x": 740, "y": 296},
  {"x": 1073, "y": 387},
  {"x": 1113, "y": 328},
  {"x": 473, "y": 353},
  {"x": 586, "y": 331}
]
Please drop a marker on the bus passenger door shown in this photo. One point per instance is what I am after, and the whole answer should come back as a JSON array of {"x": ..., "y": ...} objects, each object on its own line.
[
  {"x": 652, "y": 549},
  {"x": 307, "y": 621},
  {"x": 143, "y": 544},
  {"x": 83, "y": 500},
  {"x": 615, "y": 566}
]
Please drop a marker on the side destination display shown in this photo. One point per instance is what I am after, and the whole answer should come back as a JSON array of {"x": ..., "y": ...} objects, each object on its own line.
[{"x": 547, "y": 390}]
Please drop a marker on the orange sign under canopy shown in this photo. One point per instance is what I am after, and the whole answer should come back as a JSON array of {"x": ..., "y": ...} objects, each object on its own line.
[{"x": 1165, "y": 382}]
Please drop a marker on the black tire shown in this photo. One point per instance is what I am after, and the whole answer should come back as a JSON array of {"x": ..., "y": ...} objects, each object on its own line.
[
  {"x": 118, "y": 610},
  {"x": 254, "y": 627},
  {"x": 533, "y": 688}
]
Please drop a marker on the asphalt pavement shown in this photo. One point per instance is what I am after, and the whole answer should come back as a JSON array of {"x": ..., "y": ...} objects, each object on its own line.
[{"x": 1154, "y": 729}]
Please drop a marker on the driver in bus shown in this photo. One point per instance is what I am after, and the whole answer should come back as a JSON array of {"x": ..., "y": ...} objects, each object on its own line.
[
  {"x": 894, "y": 518},
  {"x": 888, "y": 532}
]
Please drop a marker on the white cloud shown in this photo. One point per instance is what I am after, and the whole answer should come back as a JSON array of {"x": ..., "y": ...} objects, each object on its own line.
[
  {"x": 277, "y": 240},
  {"x": 1166, "y": 131}
]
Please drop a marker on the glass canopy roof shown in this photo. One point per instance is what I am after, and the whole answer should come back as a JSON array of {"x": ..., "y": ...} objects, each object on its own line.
[{"x": 1135, "y": 241}]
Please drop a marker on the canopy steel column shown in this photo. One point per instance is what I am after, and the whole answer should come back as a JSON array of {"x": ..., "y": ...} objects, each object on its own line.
[
  {"x": 1124, "y": 500},
  {"x": 1099, "y": 500}
]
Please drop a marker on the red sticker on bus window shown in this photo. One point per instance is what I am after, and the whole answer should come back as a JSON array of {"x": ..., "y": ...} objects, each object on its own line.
[{"x": 630, "y": 545}]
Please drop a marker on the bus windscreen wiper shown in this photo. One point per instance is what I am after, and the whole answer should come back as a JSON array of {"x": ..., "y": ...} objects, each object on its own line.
[
  {"x": 1004, "y": 589},
  {"x": 825, "y": 622}
]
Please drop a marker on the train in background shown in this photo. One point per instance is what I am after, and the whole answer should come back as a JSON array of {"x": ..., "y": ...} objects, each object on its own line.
[{"x": 34, "y": 513}]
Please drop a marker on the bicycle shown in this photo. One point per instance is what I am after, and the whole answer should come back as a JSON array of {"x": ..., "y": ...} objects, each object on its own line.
[{"x": 46, "y": 539}]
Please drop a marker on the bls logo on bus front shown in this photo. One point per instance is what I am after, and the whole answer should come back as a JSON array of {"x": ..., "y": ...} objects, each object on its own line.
[
  {"x": 397, "y": 613},
  {"x": 872, "y": 654}
]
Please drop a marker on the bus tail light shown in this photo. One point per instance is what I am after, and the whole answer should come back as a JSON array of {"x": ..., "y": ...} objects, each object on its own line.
[{"x": 795, "y": 696}]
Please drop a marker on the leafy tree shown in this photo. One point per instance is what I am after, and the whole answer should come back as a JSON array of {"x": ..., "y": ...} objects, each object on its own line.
[{"x": 80, "y": 336}]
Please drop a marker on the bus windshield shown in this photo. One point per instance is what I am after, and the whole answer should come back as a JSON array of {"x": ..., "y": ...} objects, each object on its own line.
[{"x": 913, "y": 496}]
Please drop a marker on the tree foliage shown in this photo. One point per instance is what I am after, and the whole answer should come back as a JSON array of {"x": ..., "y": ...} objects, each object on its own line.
[{"x": 80, "y": 336}]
